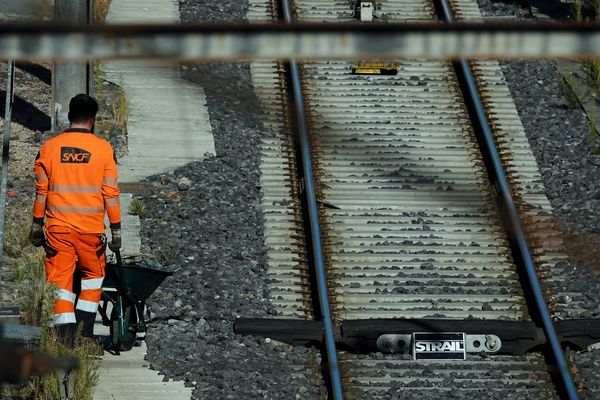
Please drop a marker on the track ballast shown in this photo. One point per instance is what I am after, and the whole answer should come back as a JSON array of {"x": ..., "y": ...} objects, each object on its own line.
[{"x": 409, "y": 219}]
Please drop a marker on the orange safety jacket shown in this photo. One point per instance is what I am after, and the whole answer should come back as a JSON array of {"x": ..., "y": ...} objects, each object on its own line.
[{"x": 76, "y": 182}]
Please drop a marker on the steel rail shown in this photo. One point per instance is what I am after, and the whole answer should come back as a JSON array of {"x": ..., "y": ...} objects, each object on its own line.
[
  {"x": 319, "y": 262},
  {"x": 300, "y": 41},
  {"x": 5, "y": 155},
  {"x": 515, "y": 228}
]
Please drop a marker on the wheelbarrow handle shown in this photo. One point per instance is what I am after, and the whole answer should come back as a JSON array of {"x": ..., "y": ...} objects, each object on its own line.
[
  {"x": 122, "y": 283},
  {"x": 119, "y": 260},
  {"x": 50, "y": 252}
]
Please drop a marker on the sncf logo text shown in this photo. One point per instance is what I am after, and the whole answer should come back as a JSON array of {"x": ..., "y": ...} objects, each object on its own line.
[{"x": 74, "y": 155}]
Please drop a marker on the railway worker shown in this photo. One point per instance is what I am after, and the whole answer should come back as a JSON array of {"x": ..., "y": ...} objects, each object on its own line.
[{"x": 76, "y": 183}]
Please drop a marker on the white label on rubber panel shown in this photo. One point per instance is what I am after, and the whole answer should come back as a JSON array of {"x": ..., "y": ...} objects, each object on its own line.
[{"x": 439, "y": 346}]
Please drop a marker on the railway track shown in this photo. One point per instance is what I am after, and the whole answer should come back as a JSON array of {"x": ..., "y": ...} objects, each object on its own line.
[{"x": 409, "y": 220}]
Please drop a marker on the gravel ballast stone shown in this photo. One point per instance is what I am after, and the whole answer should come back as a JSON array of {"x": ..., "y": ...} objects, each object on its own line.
[
  {"x": 588, "y": 365},
  {"x": 559, "y": 137},
  {"x": 568, "y": 171},
  {"x": 204, "y": 222},
  {"x": 510, "y": 8},
  {"x": 32, "y": 95},
  {"x": 205, "y": 219}
]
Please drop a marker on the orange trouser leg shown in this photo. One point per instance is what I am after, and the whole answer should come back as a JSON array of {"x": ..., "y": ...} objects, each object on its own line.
[
  {"x": 59, "y": 270},
  {"x": 91, "y": 261}
]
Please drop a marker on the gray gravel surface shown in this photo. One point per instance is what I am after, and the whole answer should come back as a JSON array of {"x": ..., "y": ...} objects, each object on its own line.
[
  {"x": 589, "y": 364},
  {"x": 506, "y": 8},
  {"x": 558, "y": 135},
  {"x": 31, "y": 103},
  {"x": 204, "y": 221},
  {"x": 211, "y": 228},
  {"x": 213, "y": 11},
  {"x": 479, "y": 377}
]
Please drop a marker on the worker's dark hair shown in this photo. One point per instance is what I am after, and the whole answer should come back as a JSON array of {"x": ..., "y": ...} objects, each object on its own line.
[{"x": 82, "y": 108}]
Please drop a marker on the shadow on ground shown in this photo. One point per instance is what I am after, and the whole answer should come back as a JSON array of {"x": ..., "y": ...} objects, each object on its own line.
[{"x": 26, "y": 114}]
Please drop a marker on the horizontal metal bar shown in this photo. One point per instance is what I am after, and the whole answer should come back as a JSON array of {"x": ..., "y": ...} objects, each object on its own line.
[
  {"x": 578, "y": 333},
  {"x": 474, "y": 343},
  {"x": 19, "y": 333},
  {"x": 294, "y": 331},
  {"x": 301, "y": 41},
  {"x": 518, "y": 337}
]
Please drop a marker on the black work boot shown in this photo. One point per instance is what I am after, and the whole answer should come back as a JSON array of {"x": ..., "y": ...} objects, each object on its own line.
[
  {"x": 66, "y": 333},
  {"x": 86, "y": 319}
]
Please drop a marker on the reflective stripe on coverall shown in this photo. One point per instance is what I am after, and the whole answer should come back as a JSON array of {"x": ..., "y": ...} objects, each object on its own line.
[
  {"x": 86, "y": 252},
  {"x": 76, "y": 182}
]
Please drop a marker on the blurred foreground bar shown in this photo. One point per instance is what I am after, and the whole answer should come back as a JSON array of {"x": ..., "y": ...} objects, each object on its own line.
[
  {"x": 209, "y": 42},
  {"x": 303, "y": 41},
  {"x": 23, "y": 334}
]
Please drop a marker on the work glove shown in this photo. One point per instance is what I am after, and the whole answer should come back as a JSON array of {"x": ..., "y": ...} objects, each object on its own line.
[
  {"x": 115, "y": 243},
  {"x": 36, "y": 235}
]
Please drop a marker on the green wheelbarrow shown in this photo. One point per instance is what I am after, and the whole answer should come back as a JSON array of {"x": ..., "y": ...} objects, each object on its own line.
[{"x": 126, "y": 288}]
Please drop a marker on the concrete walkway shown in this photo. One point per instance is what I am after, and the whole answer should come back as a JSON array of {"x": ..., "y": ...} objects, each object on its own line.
[
  {"x": 168, "y": 123},
  {"x": 168, "y": 127},
  {"x": 127, "y": 377}
]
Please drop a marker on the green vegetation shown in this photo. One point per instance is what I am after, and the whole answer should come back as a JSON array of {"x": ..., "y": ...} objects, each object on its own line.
[
  {"x": 136, "y": 207},
  {"x": 101, "y": 10},
  {"x": 592, "y": 70},
  {"x": 82, "y": 381},
  {"x": 16, "y": 236},
  {"x": 114, "y": 110},
  {"x": 98, "y": 82},
  {"x": 169, "y": 254},
  {"x": 593, "y": 139},
  {"x": 114, "y": 107},
  {"x": 37, "y": 295},
  {"x": 589, "y": 10},
  {"x": 594, "y": 7},
  {"x": 585, "y": 10},
  {"x": 36, "y": 300},
  {"x": 567, "y": 88},
  {"x": 120, "y": 107},
  {"x": 576, "y": 10}
]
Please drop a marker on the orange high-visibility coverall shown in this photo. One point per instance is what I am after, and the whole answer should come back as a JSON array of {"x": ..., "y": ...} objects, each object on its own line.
[{"x": 76, "y": 182}]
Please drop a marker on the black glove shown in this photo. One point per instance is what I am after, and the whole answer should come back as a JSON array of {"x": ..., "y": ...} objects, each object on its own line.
[
  {"x": 36, "y": 235},
  {"x": 115, "y": 243}
]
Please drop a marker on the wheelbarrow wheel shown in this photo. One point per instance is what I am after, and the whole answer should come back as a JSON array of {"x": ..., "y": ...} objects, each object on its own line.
[{"x": 125, "y": 342}]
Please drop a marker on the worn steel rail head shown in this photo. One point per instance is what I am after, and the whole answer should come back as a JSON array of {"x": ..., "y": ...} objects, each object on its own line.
[
  {"x": 516, "y": 337},
  {"x": 370, "y": 335},
  {"x": 507, "y": 203},
  {"x": 335, "y": 379}
]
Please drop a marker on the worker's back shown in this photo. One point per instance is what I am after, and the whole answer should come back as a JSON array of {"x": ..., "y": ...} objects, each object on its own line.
[
  {"x": 75, "y": 182},
  {"x": 81, "y": 174}
]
